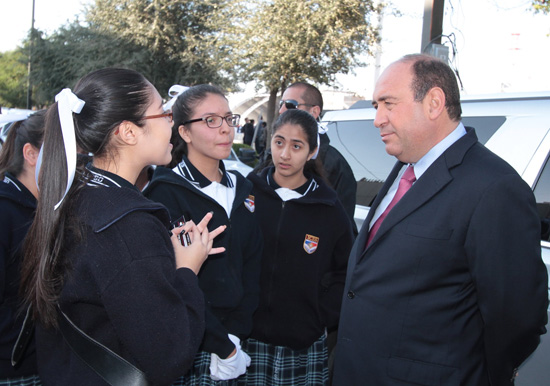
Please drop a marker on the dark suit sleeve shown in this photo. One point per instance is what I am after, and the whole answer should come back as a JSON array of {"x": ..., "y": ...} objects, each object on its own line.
[{"x": 503, "y": 248}]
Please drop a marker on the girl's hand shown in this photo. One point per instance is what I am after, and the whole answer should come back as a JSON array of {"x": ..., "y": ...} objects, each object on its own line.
[
  {"x": 194, "y": 255},
  {"x": 212, "y": 235}
]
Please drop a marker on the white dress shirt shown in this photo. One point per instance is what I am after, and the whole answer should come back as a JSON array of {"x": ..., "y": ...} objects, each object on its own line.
[{"x": 419, "y": 167}]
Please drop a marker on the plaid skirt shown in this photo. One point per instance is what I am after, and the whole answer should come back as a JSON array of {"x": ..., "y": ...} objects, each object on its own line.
[
  {"x": 283, "y": 366},
  {"x": 199, "y": 374},
  {"x": 30, "y": 380}
]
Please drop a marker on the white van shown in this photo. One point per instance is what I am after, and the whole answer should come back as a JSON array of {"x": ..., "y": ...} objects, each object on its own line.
[{"x": 514, "y": 126}]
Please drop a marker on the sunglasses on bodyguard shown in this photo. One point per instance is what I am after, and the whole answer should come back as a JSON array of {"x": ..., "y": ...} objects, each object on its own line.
[
  {"x": 292, "y": 104},
  {"x": 215, "y": 121}
]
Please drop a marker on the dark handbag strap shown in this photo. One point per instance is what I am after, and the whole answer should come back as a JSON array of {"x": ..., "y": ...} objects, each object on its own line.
[
  {"x": 23, "y": 339},
  {"x": 107, "y": 364}
]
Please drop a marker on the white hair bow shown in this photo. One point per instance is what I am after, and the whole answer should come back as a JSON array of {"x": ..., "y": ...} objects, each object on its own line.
[
  {"x": 321, "y": 129},
  {"x": 175, "y": 91},
  {"x": 67, "y": 103}
]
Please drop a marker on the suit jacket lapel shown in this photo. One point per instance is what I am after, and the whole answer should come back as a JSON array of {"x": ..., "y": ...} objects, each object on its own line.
[
  {"x": 362, "y": 237},
  {"x": 384, "y": 190},
  {"x": 431, "y": 182}
]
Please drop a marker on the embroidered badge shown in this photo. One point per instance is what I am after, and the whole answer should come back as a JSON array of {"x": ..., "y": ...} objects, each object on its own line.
[
  {"x": 310, "y": 243},
  {"x": 249, "y": 203}
]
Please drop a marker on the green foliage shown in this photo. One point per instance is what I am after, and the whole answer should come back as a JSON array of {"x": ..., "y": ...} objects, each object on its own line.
[
  {"x": 73, "y": 51},
  {"x": 169, "y": 41},
  {"x": 541, "y": 6},
  {"x": 13, "y": 79},
  {"x": 279, "y": 42},
  {"x": 238, "y": 146},
  {"x": 272, "y": 42},
  {"x": 288, "y": 40},
  {"x": 177, "y": 34}
]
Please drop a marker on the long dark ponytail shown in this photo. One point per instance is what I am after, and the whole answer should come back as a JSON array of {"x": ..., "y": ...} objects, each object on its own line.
[{"x": 111, "y": 96}]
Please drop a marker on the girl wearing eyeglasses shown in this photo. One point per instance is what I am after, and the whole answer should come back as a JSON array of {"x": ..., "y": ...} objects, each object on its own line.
[
  {"x": 196, "y": 183},
  {"x": 307, "y": 240},
  {"x": 101, "y": 254}
]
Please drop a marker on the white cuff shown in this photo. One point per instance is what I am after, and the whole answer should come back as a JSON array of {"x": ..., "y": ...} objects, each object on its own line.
[{"x": 229, "y": 368}]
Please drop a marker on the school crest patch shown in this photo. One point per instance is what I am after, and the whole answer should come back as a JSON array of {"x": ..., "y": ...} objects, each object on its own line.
[
  {"x": 310, "y": 243},
  {"x": 249, "y": 203}
]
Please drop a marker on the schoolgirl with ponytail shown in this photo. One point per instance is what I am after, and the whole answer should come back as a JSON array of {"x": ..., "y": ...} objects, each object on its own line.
[
  {"x": 98, "y": 250},
  {"x": 18, "y": 194}
]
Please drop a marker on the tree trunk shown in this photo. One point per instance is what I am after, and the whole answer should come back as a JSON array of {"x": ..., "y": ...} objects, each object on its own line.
[{"x": 272, "y": 114}]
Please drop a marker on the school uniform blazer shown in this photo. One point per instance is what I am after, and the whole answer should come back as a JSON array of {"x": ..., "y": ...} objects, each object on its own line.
[
  {"x": 17, "y": 206},
  {"x": 452, "y": 290},
  {"x": 229, "y": 280},
  {"x": 123, "y": 290}
]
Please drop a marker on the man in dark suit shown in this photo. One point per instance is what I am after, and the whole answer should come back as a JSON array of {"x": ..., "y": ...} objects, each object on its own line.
[
  {"x": 248, "y": 130},
  {"x": 451, "y": 288}
]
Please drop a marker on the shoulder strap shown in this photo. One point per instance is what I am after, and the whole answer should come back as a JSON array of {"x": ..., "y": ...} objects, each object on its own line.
[
  {"x": 107, "y": 364},
  {"x": 23, "y": 339}
]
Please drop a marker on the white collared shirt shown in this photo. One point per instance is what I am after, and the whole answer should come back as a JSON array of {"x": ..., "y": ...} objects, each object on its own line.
[
  {"x": 222, "y": 192},
  {"x": 419, "y": 167}
]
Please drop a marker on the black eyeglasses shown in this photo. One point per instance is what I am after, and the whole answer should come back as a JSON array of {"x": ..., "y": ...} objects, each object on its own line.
[
  {"x": 168, "y": 115},
  {"x": 292, "y": 104},
  {"x": 215, "y": 121}
]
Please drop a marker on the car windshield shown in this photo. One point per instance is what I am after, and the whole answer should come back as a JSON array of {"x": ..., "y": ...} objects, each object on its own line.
[{"x": 232, "y": 156}]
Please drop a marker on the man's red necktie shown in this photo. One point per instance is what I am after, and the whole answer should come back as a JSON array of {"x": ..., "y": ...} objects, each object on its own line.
[{"x": 404, "y": 185}]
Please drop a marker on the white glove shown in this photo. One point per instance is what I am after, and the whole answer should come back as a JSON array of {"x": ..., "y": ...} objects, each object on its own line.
[{"x": 230, "y": 368}]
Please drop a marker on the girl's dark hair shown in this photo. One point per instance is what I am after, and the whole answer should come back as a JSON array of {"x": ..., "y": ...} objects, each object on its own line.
[
  {"x": 111, "y": 96},
  {"x": 310, "y": 128},
  {"x": 183, "y": 110},
  {"x": 30, "y": 130}
]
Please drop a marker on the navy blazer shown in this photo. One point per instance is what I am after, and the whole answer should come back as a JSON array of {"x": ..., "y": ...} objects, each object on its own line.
[{"x": 452, "y": 290}]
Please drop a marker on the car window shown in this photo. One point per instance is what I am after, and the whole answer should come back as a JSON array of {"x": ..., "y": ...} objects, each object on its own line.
[
  {"x": 359, "y": 142},
  {"x": 485, "y": 126},
  {"x": 542, "y": 195},
  {"x": 232, "y": 156},
  {"x": 4, "y": 131}
]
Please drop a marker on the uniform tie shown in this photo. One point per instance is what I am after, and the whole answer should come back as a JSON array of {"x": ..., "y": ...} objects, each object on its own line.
[{"x": 404, "y": 185}]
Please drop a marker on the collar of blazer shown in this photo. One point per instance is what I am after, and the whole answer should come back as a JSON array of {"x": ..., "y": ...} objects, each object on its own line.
[{"x": 431, "y": 182}]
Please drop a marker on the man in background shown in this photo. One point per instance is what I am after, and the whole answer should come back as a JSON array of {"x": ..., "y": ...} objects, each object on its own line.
[{"x": 248, "y": 130}]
